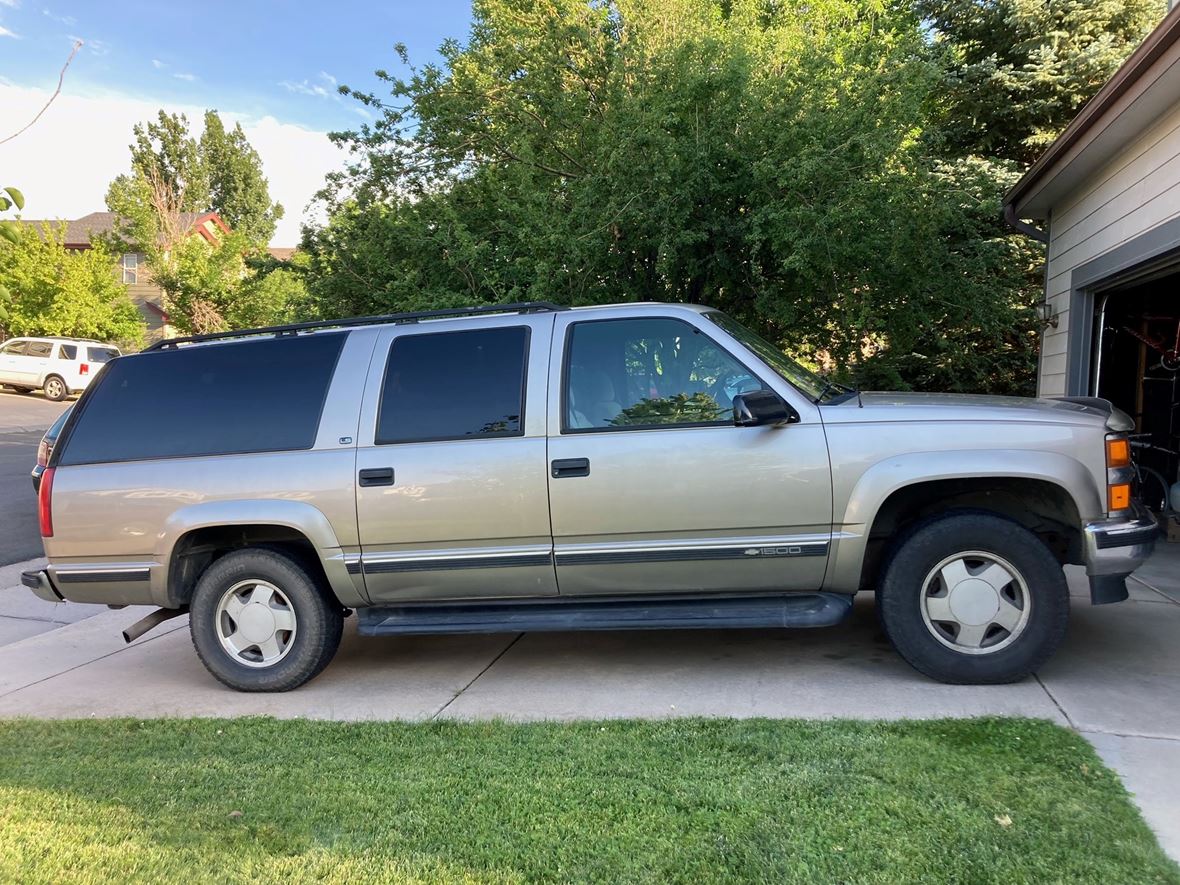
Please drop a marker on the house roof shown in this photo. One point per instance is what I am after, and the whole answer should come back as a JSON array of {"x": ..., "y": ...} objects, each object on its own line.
[
  {"x": 1145, "y": 87},
  {"x": 80, "y": 231},
  {"x": 282, "y": 253}
]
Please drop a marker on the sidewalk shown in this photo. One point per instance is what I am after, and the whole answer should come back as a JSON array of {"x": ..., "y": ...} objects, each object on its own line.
[
  {"x": 1116, "y": 680},
  {"x": 23, "y": 615}
]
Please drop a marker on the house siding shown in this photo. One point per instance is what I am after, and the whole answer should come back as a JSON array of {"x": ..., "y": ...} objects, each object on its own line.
[
  {"x": 148, "y": 298},
  {"x": 1136, "y": 191}
]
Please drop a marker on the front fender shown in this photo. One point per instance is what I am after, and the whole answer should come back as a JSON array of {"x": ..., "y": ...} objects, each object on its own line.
[
  {"x": 878, "y": 482},
  {"x": 297, "y": 515}
]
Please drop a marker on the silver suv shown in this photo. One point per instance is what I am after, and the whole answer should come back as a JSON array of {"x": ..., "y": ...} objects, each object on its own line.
[{"x": 532, "y": 467}]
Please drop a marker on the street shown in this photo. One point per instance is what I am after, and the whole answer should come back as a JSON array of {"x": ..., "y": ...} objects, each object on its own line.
[{"x": 23, "y": 419}]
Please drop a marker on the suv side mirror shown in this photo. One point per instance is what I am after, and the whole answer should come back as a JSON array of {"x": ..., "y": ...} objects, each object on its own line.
[{"x": 760, "y": 408}]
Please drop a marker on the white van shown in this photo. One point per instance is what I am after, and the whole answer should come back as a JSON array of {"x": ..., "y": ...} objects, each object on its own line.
[{"x": 56, "y": 366}]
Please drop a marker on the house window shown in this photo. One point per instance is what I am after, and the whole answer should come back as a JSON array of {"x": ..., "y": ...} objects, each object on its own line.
[{"x": 131, "y": 268}]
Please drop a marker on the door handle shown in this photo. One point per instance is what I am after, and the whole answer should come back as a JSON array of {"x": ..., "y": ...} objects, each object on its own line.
[
  {"x": 376, "y": 476},
  {"x": 564, "y": 467}
]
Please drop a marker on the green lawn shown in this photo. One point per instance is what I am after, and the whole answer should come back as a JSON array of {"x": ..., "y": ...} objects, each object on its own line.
[{"x": 685, "y": 800}]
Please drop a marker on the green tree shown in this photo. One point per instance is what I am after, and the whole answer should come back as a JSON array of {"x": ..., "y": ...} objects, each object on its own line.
[
  {"x": 173, "y": 173},
  {"x": 60, "y": 291},
  {"x": 782, "y": 162},
  {"x": 10, "y": 231},
  {"x": 1019, "y": 70},
  {"x": 210, "y": 287},
  {"x": 238, "y": 191}
]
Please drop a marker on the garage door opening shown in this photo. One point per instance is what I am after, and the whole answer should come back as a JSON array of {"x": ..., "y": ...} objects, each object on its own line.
[{"x": 1137, "y": 367}]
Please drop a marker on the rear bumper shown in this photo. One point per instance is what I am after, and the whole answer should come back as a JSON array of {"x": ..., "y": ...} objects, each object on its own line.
[
  {"x": 40, "y": 584},
  {"x": 1114, "y": 548}
]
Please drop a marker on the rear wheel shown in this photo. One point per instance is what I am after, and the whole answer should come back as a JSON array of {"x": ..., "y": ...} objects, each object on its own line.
[
  {"x": 259, "y": 622},
  {"x": 972, "y": 598},
  {"x": 55, "y": 389}
]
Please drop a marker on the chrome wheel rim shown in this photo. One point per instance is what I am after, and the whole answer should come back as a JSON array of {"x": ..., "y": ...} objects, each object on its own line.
[
  {"x": 53, "y": 388},
  {"x": 256, "y": 623},
  {"x": 975, "y": 603}
]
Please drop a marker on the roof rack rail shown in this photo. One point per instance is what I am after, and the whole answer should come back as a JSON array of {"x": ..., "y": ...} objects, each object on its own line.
[{"x": 296, "y": 328}]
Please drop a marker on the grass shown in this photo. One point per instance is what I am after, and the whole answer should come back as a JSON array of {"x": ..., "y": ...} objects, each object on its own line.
[{"x": 986, "y": 800}]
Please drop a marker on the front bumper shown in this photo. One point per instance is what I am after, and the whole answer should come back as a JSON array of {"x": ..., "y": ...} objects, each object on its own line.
[
  {"x": 1113, "y": 548},
  {"x": 40, "y": 584}
]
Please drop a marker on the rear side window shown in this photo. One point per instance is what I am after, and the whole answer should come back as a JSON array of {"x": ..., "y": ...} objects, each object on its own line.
[
  {"x": 68, "y": 351},
  {"x": 38, "y": 348},
  {"x": 454, "y": 385},
  {"x": 100, "y": 354},
  {"x": 257, "y": 396}
]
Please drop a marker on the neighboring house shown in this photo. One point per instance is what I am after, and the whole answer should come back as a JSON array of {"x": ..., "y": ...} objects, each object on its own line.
[
  {"x": 132, "y": 268},
  {"x": 1106, "y": 197}
]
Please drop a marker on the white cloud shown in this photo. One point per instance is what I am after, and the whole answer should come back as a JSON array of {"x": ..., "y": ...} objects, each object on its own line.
[
  {"x": 158, "y": 65},
  {"x": 323, "y": 87},
  {"x": 65, "y": 162},
  {"x": 4, "y": 32},
  {"x": 67, "y": 20},
  {"x": 188, "y": 78},
  {"x": 11, "y": 4}
]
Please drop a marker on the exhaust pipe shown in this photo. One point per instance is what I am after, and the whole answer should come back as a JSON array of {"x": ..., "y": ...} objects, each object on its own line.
[{"x": 151, "y": 622}]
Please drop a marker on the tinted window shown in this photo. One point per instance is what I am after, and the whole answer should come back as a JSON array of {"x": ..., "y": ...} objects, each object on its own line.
[
  {"x": 68, "y": 351},
  {"x": 101, "y": 354},
  {"x": 38, "y": 348},
  {"x": 454, "y": 385},
  {"x": 649, "y": 373},
  {"x": 13, "y": 348},
  {"x": 256, "y": 396}
]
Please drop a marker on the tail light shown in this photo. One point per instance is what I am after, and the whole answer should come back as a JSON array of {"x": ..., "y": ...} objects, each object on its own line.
[
  {"x": 84, "y": 369},
  {"x": 45, "y": 503},
  {"x": 43, "y": 453},
  {"x": 1119, "y": 473}
]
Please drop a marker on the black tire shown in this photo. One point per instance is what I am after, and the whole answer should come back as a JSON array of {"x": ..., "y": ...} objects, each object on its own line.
[
  {"x": 901, "y": 591},
  {"x": 55, "y": 389},
  {"x": 319, "y": 621}
]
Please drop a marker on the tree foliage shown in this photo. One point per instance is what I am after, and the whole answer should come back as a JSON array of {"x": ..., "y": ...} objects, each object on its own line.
[
  {"x": 10, "y": 231},
  {"x": 827, "y": 171},
  {"x": 208, "y": 286},
  {"x": 1019, "y": 70},
  {"x": 173, "y": 173},
  {"x": 238, "y": 191},
  {"x": 60, "y": 291}
]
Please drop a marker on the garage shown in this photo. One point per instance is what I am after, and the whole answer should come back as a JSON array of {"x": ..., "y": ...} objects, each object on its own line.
[{"x": 1105, "y": 198}]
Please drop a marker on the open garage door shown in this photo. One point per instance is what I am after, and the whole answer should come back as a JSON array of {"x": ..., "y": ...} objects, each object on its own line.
[{"x": 1137, "y": 367}]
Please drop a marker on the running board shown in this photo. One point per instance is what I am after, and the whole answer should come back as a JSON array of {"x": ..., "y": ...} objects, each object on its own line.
[{"x": 606, "y": 613}]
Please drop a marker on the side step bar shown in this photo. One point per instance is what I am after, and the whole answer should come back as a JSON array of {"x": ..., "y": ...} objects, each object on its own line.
[{"x": 606, "y": 613}]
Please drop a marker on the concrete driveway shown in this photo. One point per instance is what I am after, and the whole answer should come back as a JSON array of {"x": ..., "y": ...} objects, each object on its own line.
[{"x": 1116, "y": 680}]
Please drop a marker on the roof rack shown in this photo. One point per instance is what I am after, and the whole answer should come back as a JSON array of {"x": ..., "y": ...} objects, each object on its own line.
[{"x": 395, "y": 318}]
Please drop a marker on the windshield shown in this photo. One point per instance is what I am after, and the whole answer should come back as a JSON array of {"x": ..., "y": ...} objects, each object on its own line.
[{"x": 811, "y": 384}]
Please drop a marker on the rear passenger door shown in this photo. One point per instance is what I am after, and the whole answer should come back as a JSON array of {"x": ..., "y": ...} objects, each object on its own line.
[
  {"x": 452, "y": 499},
  {"x": 34, "y": 365}
]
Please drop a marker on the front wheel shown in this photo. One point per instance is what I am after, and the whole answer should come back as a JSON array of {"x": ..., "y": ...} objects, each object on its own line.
[
  {"x": 259, "y": 622},
  {"x": 973, "y": 598}
]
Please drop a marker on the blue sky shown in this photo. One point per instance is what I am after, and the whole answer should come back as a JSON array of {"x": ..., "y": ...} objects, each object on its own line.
[
  {"x": 272, "y": 66},
  {"x": 258, "y": 58}
]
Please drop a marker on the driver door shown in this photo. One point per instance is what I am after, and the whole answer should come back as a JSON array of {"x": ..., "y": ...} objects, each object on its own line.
[{"x": 653, "y": 489}]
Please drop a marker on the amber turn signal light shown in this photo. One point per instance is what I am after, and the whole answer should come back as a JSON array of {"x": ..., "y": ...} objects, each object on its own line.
[
  {"x": 1118, "y": 452},
  {"x": 1120, "y": 496}
]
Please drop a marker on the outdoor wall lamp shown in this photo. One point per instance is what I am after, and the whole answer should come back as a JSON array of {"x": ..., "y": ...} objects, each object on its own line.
[{"x": 1048, "y": 314}]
